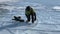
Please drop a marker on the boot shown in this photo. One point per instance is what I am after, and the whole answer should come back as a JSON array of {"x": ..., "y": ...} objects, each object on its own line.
[{"x": 32, "y": 21}]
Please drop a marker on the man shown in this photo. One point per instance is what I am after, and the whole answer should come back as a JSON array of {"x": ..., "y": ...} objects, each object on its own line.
[
  {"x": 18, "y": 19},
  {"x": 29, "y": 12}
]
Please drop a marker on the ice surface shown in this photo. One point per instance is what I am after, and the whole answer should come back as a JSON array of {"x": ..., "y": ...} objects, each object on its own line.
[{"x": 48, "y": 20}]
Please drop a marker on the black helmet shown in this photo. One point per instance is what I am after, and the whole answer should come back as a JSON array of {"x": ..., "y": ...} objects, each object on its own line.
[{"x": 28, "y": 8}]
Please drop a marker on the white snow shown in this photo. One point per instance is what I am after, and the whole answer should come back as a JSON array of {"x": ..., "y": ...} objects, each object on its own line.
[
  {"x": 8, "y": 0},
  {"x": 57, "y": 8},
  {"x": 48, "y": 21}
]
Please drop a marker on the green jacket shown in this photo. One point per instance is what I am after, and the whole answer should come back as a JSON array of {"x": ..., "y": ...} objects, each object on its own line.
[{"x": 29, "y": 12}]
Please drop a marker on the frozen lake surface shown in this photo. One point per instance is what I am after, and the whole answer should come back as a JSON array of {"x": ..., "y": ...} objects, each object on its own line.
[{"x": 48, "y": 17}]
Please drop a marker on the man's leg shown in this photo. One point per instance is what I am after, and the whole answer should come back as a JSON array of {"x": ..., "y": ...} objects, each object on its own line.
[
  {"x": 28, "y": 18},
  {"x": 32, "y": 18}
]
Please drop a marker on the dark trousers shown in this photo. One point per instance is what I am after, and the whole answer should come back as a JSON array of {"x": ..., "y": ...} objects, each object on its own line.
[{"x": 33, "y": 16}]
